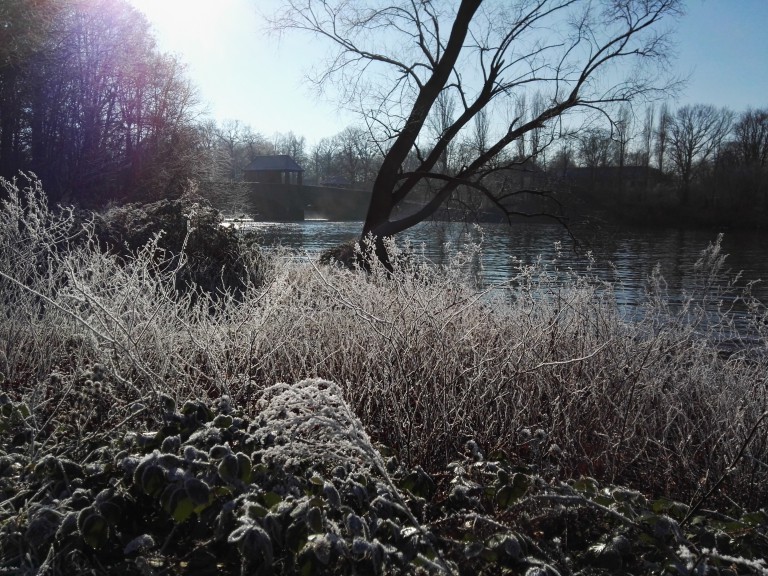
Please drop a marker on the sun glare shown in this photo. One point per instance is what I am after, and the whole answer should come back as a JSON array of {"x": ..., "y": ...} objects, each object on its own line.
[{"x": 178, "y": 22}]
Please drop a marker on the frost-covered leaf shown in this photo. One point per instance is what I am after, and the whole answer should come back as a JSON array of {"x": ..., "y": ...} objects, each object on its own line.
[
  {"x": 182, "y": 505},
  {"x": 93, "y": 527},
  {"x": 198, "y": 490},
  {"x": 229, "y": 469},
  {"x": 513, "y": 492},
  {"x": 244, "y": 468},
  {"x": 271, "y": 499},
  {"x": 153, "y": 480},
  {"x": 314, "y": 520},
  {"x": 473, "y": 549},
  {"x": 219, "y": 451},
  {"x": 586, "y": 485},
  {"x": 139, "y": 544},
  {"x": 223, "y": 421},
  {"x": 254, "y": 543},
  {"x": 419, "y": 483}
]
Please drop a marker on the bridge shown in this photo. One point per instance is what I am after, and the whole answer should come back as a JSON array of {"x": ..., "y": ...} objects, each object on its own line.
[{"x": 286, "y": 202}]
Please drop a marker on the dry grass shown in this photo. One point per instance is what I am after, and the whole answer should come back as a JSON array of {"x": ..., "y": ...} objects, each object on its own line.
[{"x": 544, "y": 371}]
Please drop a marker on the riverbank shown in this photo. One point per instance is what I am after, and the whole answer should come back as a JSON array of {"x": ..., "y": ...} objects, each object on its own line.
[{"x": 422, "y": 423}]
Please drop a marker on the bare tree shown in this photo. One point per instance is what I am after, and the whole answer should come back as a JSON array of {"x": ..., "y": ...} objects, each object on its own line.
[
  {"x": 646, "y": 137},
  {"x": 24, "y": 28},
  {"x": 751, "y": 135},
  {"x": 594, "y": 146},
  {"x": 439, "y": 122},
  {"x": 536, "y": 133},
  {"x": 662, "y": 136},
  {"x": 563, "y": 159},
  {"x": 323, "y": 165},
  {"x": 355, "y": 155},
  {"x": 230, "y": 139},
  {"x": 238, "y": 145},
  {"x": 520, "y": 111},
  {"x": 695, "y": 133},
  {"x": 622, "y": 135},
  {"x": 292, "y": 145},
  {"x": 90, "y": 105},
  {"x": 482, "y": 129},
  {"x": 399, "y": 56}
]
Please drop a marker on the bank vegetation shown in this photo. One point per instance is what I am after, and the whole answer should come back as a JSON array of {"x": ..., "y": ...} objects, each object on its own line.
[{"x": 315, "y": 418}]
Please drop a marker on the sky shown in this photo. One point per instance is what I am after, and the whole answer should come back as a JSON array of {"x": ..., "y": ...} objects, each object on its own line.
[{"x": 245, "y": 72}]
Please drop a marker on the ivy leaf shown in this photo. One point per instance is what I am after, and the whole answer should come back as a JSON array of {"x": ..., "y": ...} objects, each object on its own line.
[
  {"x": 229, "y": 468},
  {"x": 271, "y": 499},
  {"x": 245, "y": 468},
  {"x": 508, "y": 495},
  {"x": 182, "y": 505},
  {"x": 147, "y": 440},
  {"x": 198, "y": 490},
  {"x": 586, "y": 485},
  {"x": 314, "y": 520},
  {"x": 93, "y": 527},
  {"x": 418, "y": 483},
  {"x": 23, "y": 410},
  {"x": 473, "y": 549},
  {"x": 755, "y": 519},
  {"x": 223, "y": 421},
  {"x": 219, "y": 451},
  {"x": 139, "y": 544},
  {"x": 153, "y": 480}
]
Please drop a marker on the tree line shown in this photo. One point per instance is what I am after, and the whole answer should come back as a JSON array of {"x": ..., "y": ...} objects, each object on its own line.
[
  {"x": 686, "y": 158},
  {"x": 702, "y": 156},
  {"x": 89, "y": 104}
]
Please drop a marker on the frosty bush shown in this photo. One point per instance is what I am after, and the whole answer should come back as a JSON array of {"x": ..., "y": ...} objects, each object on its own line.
[
  {"x": 543, "y": 372},
  {"x": 298, "y": 488},
  {"x": 216, "y": 259}
]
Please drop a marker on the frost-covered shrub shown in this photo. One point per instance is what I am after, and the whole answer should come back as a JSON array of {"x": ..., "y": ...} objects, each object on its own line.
[
  {"x": 262, "y": 493},
  {"x": 217, "y": 258},
  {"x": 73, "y": 284},
  {"x": 428, "y": 361},
  {"x": 545, "y": 370},
  {"x": 298, "y": 488}
]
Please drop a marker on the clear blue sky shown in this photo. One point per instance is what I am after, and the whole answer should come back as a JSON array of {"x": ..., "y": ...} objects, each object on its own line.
[
  {"x": 724, "y": 45},
  {"x": 244, "y": 73}
]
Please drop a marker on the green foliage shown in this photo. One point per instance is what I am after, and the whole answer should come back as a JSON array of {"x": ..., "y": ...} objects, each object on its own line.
[{"x": 234, "y": 494}]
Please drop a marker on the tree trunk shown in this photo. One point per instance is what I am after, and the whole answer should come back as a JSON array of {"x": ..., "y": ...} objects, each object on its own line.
[{"x": 382, "y": 205}]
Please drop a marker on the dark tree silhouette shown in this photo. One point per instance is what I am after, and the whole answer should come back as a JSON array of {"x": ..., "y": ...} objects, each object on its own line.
[
  {"x": 695, "y": 133},
  {"x": 751, "y": 136},
  {"x": 399, "y": 58},
  {"x": 89, "y": 104}
]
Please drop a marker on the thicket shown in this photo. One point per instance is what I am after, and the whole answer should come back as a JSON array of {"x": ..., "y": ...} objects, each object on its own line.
[
  {"x": 216, "y": 259},
  {"x": 426, "y": 425}
]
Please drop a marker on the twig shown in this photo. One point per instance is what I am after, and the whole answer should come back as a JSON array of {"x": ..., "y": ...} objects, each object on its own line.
[
  {"x": 728, "y": 470},
  {"x": 147, "y": 372}
]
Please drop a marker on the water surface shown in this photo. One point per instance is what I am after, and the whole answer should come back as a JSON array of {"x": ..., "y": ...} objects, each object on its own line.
[{"x": 623, "y": 256}]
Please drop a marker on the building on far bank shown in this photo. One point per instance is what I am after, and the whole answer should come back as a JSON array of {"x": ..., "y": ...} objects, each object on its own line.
[{"x": 277, "y": 169}]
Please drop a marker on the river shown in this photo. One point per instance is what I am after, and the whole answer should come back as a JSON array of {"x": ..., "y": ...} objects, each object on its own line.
[{"x": 624, "y": 256}]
